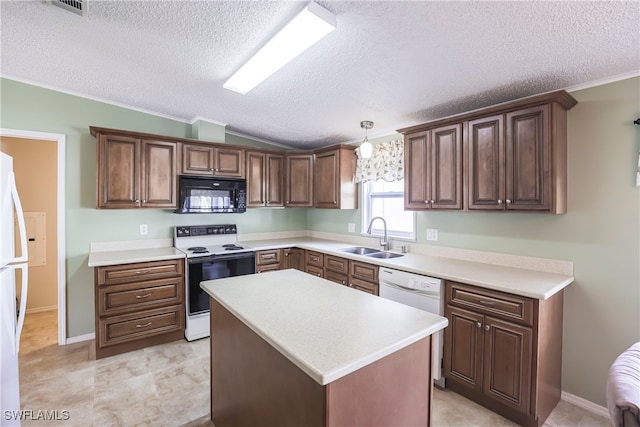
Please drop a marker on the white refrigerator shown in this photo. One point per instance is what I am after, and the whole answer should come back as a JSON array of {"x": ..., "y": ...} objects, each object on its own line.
[{"x": 13, "y": 258}]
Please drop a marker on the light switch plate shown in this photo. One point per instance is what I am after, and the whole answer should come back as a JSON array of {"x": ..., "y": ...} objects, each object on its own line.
[
  {"x": 352, "y": 227},
  {"x": 144, "y": 229},
  {"x": 432, "y": 234}
]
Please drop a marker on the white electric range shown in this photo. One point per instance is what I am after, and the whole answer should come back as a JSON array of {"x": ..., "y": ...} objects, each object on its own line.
[{"x": 212, "y": 253}]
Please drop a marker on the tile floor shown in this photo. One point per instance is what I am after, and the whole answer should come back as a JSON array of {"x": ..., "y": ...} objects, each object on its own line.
[{"x": 168, "y": 385}]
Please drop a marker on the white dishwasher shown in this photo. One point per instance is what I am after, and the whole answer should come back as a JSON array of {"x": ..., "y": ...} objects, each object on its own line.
[{"x": 422, "y": 292}]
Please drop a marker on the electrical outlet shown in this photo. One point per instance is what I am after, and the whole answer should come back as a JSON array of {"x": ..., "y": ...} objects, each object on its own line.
[
  {"x": 432, "y": 234},
  {"x": 352, "y": 227},
  {"x": 144, "y": 229}
]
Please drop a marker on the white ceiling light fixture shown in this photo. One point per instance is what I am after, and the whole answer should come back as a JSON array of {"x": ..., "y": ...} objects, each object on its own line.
[
  {"x": 366, "y": 149},
  {"x": 305, "y": 29}
]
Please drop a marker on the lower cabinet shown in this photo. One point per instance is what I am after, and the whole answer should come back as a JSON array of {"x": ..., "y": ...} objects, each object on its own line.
[
  {"x": 355, "y": 274},
  {"x": 314, "y": 263},
  {"x": 138, "y": 305},
  {"x": 268, "y": 260},
  {"x": 293, "y": 258},
  {"x": 504, "y": 351}
]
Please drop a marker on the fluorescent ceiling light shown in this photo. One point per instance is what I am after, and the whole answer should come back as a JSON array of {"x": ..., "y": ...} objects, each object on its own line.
[{"x": 310, "y": 25}]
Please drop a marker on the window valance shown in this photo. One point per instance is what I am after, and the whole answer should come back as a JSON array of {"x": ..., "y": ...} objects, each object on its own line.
[{"x": 386, "y": 162}]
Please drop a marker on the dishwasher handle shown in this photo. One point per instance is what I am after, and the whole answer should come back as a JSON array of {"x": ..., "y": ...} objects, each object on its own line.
[{"x": 412, "y": 290}]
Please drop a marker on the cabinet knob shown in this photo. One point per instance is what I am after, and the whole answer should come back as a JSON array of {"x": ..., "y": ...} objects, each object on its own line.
[
  {"x": 487, "y": 327},
  {"x": 318, "y": 274},
  {"x": 508, "y": 201},
  {"x": 268, "y": 202},
  {"x": 499, "y": 201},
  {"x": 478, "y": 325},
  {"x": 335, "y": 203},
  {"x": 433, "y": 201},
  {"x": 344, "y": 283},
  {"x": 287, "y": 202},
  {"x": 137, "y": 200},
  {"x": 426, "y": 202},
  {"x": 144, "y": 200}
]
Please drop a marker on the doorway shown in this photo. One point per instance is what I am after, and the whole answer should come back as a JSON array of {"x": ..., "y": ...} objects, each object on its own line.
[{"x": 39, "y": 166}]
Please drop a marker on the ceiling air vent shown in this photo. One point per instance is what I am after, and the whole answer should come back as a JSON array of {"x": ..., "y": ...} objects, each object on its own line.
[{"x": 76, "y": 6}]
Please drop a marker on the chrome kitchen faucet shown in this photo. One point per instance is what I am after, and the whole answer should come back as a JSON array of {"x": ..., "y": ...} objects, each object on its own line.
[{"x": 384, "y": 242}]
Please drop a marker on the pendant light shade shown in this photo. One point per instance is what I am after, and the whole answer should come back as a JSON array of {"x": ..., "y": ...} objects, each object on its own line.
[{"x": 366, "y": 149}]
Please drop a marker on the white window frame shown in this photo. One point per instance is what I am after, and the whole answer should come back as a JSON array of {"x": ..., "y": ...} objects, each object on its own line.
[{"x": 377, "y": 229}]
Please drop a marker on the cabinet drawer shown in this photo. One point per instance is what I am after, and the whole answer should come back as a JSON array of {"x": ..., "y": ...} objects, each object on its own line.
[
  {"x": 315, "y": 258},
  {"x": 337, "y": 264},
  {"x": 138, "y": 296},
  {"x": 506, "y": 306},
  {"x": 268, "y": 267},
  {"x": 135, "y": 326},
  {"x": 336, "y": 277},
  {"x": 268, "y": 257},
  {"x": 123, "y": 273},
  {"x": 363, "y": 271},
  {"x": 364, "y": 286},
  {"x": 316, "y": 271}
]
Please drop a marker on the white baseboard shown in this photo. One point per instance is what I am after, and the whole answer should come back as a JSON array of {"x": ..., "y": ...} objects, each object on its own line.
[
  {"x": 41, "y": 309},
  {"x": 80, "y": 338},
  {"x": 584, "y": 404}
]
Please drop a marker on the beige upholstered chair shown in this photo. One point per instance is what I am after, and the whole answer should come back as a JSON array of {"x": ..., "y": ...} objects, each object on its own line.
[{"x": 623, "y": 388}]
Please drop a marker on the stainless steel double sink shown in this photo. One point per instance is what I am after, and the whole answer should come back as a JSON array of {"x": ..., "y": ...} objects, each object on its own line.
[{"x": 370, "y": 252}]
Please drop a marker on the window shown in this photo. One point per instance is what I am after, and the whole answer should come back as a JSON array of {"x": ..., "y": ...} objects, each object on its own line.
[{"x": 386, "y": 199}]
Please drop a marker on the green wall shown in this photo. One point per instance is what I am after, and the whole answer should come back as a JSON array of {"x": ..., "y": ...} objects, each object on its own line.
[
  {"x": 27, "y": 107},
  {"x": 600, "y": 233}
]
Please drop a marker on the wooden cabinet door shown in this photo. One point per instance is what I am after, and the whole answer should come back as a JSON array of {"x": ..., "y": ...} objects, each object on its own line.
[
  {"x": 274, "y": 175},
  {"x": 256, "y": 179},
  {"x": 464, "y": 341},
  {"x": 118, "y": 183},
  {"x": 197, "y": 159},
  {"x": 299, "y": 180},
  {"x": 229, "y": 162},
  {"x": 486, "y": 163},
  {"x": 528, "y": 159},
  {"x": 445, "y": 154},
  {"x": 297, "y": 259},
  {"x": 417, "y": 184},
  {"x": 158, "y": 176},
  {"x": 507, "y": 363},
  {"x": 326, "y": 179}
]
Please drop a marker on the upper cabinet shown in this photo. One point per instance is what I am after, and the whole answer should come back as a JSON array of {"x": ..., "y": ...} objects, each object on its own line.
[
  {"x": 514, "y": 158},
  {"x": 335, "y": 186},
  {"x": 299, "y": 180},
  {"x": 515, "y": 163},
  {"x": 213, "y": 160},
  {"x": 433, "y": 168},
  {"x": 265, "y": 173},
  {"x": 135, "y": 172}
]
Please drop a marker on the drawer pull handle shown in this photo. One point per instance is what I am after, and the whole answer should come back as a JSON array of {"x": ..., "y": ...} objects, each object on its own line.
[
  {"x": 486, "y": 302},
  {"x": 144, "y": 326},
  {"x": 142, "y": 272},
  {"x": 143, "y": 296},
  {"x": 270, "y": 256}
]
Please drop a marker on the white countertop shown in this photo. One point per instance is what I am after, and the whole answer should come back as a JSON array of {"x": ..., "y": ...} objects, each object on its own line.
[
  {"x": 327, "y": 330},
  {"x": 127, "y": 256},
  {"x": 519, "y": 281}
]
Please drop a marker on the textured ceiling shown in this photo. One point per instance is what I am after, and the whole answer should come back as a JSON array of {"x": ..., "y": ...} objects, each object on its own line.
[{"x": 395, "y": 63}]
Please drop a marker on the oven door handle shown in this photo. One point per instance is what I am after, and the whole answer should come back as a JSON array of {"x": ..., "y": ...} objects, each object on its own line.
[{"x": 215, "y": 258}]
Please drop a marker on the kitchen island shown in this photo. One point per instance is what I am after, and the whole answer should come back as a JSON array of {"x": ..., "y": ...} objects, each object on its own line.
[{"x": 290, "y": 349}]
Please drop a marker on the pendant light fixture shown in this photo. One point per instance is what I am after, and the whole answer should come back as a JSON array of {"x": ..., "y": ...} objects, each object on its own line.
[{"x": 366, "y": 149}]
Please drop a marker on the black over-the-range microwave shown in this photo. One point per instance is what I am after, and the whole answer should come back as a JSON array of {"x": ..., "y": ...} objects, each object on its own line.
[{"x": 203, "y": 194}]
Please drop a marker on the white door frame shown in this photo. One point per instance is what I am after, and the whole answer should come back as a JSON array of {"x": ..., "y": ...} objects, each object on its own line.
[{"x": 62, "y": 290}]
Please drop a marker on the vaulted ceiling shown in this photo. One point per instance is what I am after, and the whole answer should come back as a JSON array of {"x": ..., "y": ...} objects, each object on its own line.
[{"x": 397, "y": 63}]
